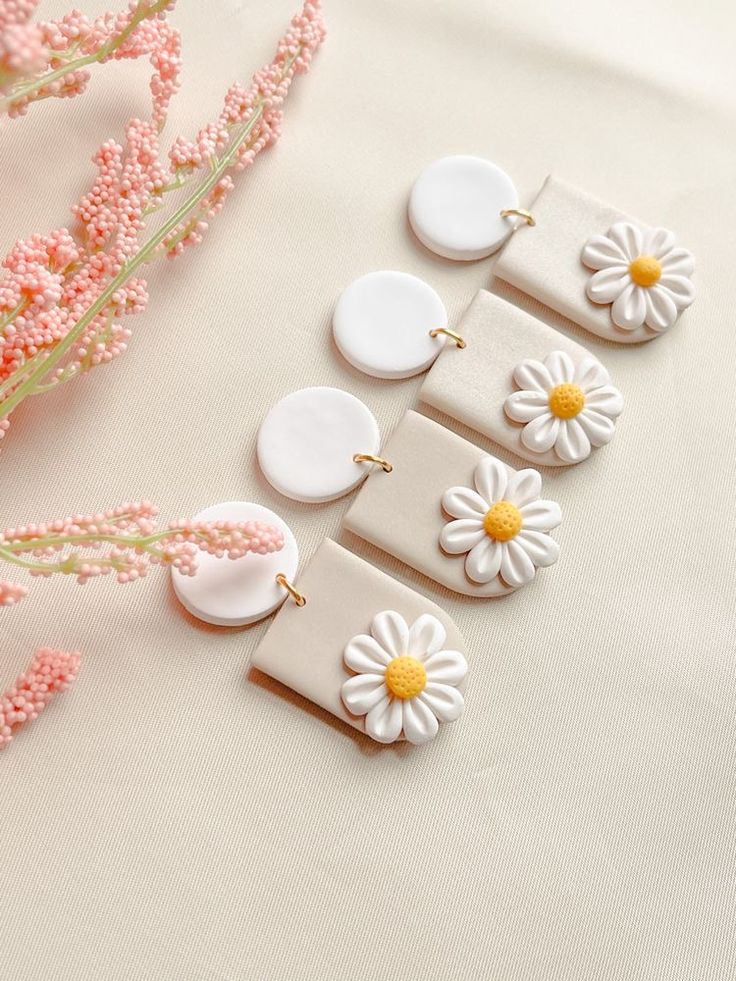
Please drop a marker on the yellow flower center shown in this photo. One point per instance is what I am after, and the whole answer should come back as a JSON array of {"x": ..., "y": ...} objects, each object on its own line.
[
  {"x": 503, "y": 522},
  {"x": 405, "y": 677},
  {"x": 645, "y": 270},
  {"x": 566, "y": 401}
]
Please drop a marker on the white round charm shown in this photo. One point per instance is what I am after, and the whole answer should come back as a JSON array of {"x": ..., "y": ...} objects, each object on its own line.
[
  {"x": 455, "y": 207},
  {"x": 382, "y": 324},
  {"x": 233, "y": 592},
  {"x": 307, "y": 442}
]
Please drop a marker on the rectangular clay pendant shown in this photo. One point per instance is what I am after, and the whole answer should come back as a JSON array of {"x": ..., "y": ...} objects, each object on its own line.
[
  {"x": 546, "y": 262},
  {"x": 474, "y": 384},
  {"x": 406, "y": 512},
  {"x": 304, "y": 647}
]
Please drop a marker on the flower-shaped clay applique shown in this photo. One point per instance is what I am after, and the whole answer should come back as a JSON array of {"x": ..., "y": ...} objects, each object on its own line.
[
  {"x": 642, "y": 273},
  {"x": 406, "y": 681},
  {"x": 501, "y": 524},
  {"x": 566, "y": 407}
]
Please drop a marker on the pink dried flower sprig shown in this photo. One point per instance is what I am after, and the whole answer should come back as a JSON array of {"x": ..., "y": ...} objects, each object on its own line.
[
  {"x": 126, "y": 542},
  {"x": 64, "y": 296},
  {"x": 50, "y": 672},
  {"x": 50, "y": 59}
]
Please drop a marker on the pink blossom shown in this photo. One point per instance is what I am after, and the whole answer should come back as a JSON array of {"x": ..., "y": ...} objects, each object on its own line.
[
  {"x": 11, "y": 593},
  {"x": 50, "y": 672},
  {"x": 64, "y": 294},
  {"x": 49, "y": 59},
  {"x": 125, "y": 541}
]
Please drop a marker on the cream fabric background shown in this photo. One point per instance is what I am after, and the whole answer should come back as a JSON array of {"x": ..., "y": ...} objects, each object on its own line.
[{"x": 170, "y": 820}]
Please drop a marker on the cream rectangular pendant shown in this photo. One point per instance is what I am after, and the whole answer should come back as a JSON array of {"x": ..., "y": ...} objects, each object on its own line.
[
  {"x": 506, "y": 348},
  {"x": 356, "y": 615},
  {"x": 642, "y": 278},
  {"x": 455, "y": 513}
]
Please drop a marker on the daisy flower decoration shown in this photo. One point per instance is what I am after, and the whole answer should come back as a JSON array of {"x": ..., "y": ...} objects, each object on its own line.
[
  {"x": 563, "y": 406},
  {"x": 642, "y": 274},
  {"x": 501, "y": 525},
  {"x": 405, "y": 681}
]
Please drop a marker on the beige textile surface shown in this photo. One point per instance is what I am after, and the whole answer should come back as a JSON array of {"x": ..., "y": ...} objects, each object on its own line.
[{"x": 170, "y": 820}]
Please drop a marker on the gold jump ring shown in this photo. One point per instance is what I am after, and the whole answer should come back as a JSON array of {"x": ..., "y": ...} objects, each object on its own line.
[
  {"x": 291, "y": 590},
  {"x": 519, "y": 213},
  {"x": 370, "y": 458},
  {"x": 460, "y": 341}
]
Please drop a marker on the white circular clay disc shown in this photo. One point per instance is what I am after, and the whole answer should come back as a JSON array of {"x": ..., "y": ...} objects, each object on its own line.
[
  {"x": 307, "y": 441},
  {"x": 455, "y": 206},
  {"x": 232, "y": 592},
  {"x": 382, "y": 323}
]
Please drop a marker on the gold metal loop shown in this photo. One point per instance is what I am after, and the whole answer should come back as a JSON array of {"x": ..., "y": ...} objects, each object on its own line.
[
  {"x": 370, "y": 458},
  {"x": 519, "y": 213},
  {"x": 460, "y": 341},
  {"x": 291, "y": 590}
]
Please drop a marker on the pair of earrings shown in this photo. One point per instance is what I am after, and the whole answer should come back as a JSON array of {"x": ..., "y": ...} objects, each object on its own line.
[
  {"x": 368, "y": 649},
  {"x": 610, "y": 273}
]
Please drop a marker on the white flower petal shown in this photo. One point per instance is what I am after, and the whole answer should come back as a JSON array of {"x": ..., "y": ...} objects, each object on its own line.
[
  {"x": 600, "y": 252},
  {"x": 541, "y": 515},
  {"x": 517, "y": 568},
  {"x": 362, "y": 692},
  {"x": 383, "y": 722},
  {"x": 661, "y": 309},
  {"x": 540, "y": 548},
  {"x": 524, "y": 487},
  {"x": 532, "y": 376},
  {"x": 628, "y": 237},
  {"x": 419, "y": 722},
  {"x": 680, "y": 288},
  {"x": 461, "y": 535},
  {"x": 591, "y": 374},
  {"x": 540, "y": 434},
  {"x": 630, "y": 309},
  {"x": 560, "y": 366},
  {"x": 658, "y": 242},
  {"x": 607, "y": 400},
  {"x": 606, "y": 285},
  {"x": 525, "y": 406},
  {"x": 462, "y": 502},
  {"x": 678, "y": 262},
  {"x": 484, "y": 560},
  {"x": 447, "y": 667},
  {"x": 365, "y": 655},
  {"x": 572, "y": 444},
  {"x": 426, "y": 636},
  {"x": 391, "y": 632},
  {"x": 490, "y": 477},
  {"x": 598, "y": 428},
  {"x": 445, "y": 701}
]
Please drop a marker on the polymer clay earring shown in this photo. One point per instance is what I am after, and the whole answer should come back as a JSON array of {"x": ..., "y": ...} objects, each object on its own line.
[
  {"x": 371, "y": 651},
  {"x": 613, "y": 275},
  {"x": 524, "y": 385},
  {"x": 455, "y": 513},
  {"x": 317, "y": 444}
]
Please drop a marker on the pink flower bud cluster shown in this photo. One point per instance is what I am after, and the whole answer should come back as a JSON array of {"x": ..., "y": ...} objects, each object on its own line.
[
  {"x": 32, "y": 50},
  {"x": 50, "y": 672},
  {"x": 85, "y": 284},
  {"x": 21, "y": 42},
  {"x": 125, "y": 541},
  {"x": 11, "y": 593}
]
